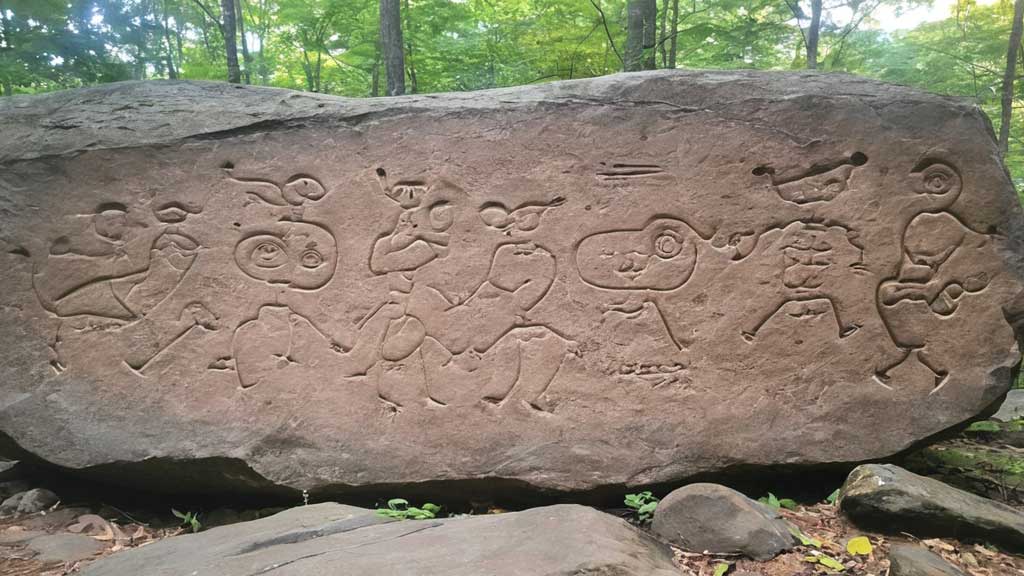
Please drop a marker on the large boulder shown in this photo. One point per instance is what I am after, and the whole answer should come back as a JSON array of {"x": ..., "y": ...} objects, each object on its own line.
[
  {"x": 616, "y": 281},
  {"x": 888, "y": 498},
  {"x": 1012, "y": 408},
  {"x": 719, "y": 520},
  {"x": 326, "y": 539}
]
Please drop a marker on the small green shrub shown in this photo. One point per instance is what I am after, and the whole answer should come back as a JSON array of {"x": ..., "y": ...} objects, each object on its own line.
[
  {"x": 190, "y": 519},
  {"x": 399, "y": 508},
  {"x": 777, "y": 503},
  {"x": 643, "y": 503}
]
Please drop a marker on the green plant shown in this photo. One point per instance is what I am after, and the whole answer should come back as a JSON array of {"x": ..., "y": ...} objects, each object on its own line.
[
  {"x": 399, "y": 508},
  {"x": 833, "y": 497},
  {"x": 777, "y": 503},
  {"x": 643, "y": 503},
  {"x": 190, "y": 519}
]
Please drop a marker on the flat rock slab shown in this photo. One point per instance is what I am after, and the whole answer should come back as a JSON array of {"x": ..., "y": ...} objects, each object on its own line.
[
  {"x": 890, "y": 499},
  {"x": 623, "y": 280},
  {"x": 1012, "y": 408},
  {"x": 328, "y": 539},
  {"x": 64, "y": 547},
  {"x": 912, "y": 560}
]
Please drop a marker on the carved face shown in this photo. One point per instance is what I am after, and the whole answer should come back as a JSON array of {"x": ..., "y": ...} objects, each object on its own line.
[
  {"x": 299, "y": 254},
  {"x": 661, "y": 256}
]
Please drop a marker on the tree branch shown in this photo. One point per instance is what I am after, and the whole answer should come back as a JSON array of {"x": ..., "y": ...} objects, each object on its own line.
[{"x": 608, "y": 32}]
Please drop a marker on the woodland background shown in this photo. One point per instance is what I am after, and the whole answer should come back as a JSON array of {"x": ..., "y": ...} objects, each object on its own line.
[{"x": 365, "y": 48}]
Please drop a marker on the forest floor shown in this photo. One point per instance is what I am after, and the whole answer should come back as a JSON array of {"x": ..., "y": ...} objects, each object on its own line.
[{"x": 984, "y": 460}]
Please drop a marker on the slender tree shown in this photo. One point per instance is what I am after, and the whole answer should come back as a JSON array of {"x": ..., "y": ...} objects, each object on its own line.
[
  {"x": 813, "y": 34},
  {"x": 230, "y": 30},
  {"x": 675, "y": 33},
  {"x": 246, "y": 57},
  {"x": 1006, "y": 112},
  {"x": 641, "y": 35},
  {"x": 391, "y": 46}
]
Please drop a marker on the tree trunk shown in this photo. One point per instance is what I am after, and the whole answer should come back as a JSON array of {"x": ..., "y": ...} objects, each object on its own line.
[
  {"x": 413, "y": 88},
  {"x": 228, "y": 28},
  {"x": 391, "y": 45},
  {"x": 640, "y": 35},
  {"x": 246, "y": 57},
  {"x": 172, "y": 74},
  {"x": 1006, "y": 116},
  {"x": 813, "y": 32},
  {"x": 675, "y": 34},
  {"x": 375, "y": 75},
  {"x": 663, "y": 37},
  {"x": 307, "y": 67},
  {"x": 5, "y": 31}
]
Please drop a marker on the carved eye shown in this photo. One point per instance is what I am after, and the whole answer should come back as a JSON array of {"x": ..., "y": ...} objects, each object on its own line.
[
  {"x": 668, "y": 244},
  {"x": 441, "y": 217},
  {"x": 269, "y": 255},
  {"x": 938, "y": 179},
  {"x": 306, "y": 187},
  {"x": 311, "y": 259},
  {"x": 171, "y": 214}
]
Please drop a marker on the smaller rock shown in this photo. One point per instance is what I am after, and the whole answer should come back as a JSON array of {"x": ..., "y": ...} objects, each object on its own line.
[
  {"x": 1012, "y": 408},
  {"x": 14, "y": 535},
  {"x": 9, "y": 506},
  {"x": 911, "y": 560},
  {"x": 36, "y": 500},
  {"x": 713, "y": 518},
  {"x": 8, "y": 489},
  {"x": 10, "y": 470},
  {"x": 890, "y": 499},
  {"x": 64, "y": 547}
]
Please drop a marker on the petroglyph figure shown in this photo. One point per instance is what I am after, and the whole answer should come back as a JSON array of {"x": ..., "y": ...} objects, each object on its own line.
[
  {"x": 299, "y": 255},
  {"x": 944, "y": 263}
]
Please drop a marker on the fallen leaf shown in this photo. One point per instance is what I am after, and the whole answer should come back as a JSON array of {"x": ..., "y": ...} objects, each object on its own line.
[{"x": 859, "y": 546}]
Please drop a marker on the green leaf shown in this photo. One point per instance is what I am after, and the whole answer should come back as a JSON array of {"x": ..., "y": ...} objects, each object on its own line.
[
  {"x": 788, "y": 504},
  {"x": 859, "y": 546},
  {"x": 178, "y": 514},
  {"x": 804, "y": 538},
  {"x": 833, "y": 497},
  {"x": 648, "y": 508},
  {"x": 398, "y": 503},
  {"x": 720, "y": 569},
  {"x": 432, "y": 507},
  {"x": 826, "y": 561},
  {"x": 772, "y": 500}
]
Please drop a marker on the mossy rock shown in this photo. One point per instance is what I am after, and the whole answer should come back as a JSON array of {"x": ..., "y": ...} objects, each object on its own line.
[{"x": 994, "y": 470}]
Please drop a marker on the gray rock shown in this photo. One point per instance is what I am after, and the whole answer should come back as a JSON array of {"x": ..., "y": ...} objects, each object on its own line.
[
  {"x": 890, "y": 499},
  {"x": 10, "y": 505},
  {"x": 717, "y": 519},
  {"x": 64, "y": 547},
  {"x": 1012, "y": 408},
  {"x": 10, "y": 470},
  {"x": 8, "y": 537},
  {"x": 330, "y": 539},
  {"x": 913, "y": 560},
  {"x": 36, "y": 500}
]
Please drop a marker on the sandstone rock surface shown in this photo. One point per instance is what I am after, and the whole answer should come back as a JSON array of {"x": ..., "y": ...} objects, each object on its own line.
[
  {"x": 890, "y": 499},
  {"x": 913, "y": 560},
  {"x": 624, "y": 280},
  {"x": 713, "y": 518},
  {"x": 328, "y": 539}
]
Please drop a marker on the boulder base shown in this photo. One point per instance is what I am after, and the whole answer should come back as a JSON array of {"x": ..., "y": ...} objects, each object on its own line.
[
  {"x": 618, "y": 281},
  {"x": 327, "y": 539}
]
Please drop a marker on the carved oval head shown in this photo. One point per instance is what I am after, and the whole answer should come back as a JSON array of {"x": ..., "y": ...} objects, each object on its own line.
[
  {"x": 298, "y": 254},
  {"x": 661, "y": 256}
]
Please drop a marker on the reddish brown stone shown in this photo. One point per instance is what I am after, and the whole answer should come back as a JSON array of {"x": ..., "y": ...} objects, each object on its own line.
[{"x": 630, "y": 279}]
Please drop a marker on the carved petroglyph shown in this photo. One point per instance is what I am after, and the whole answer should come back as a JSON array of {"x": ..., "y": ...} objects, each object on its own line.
[
  {"x": 523, "y": 218},
  {"x": 627, "y": 170},
  {"x": 661, "y": 256},
  {"x": 814, "y": 261},
  {"x": 300, "y": 255},
  {"x": 822, "y": 182},
  {"x": 944, "y": 264}
]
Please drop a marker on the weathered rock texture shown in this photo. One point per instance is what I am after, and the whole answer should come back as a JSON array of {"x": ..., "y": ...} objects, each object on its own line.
[
  {"x": 329, "y": 539},
  {"x": 630, "y": 279},
  {"x": 890, "y": 499},
  {"x": 713, "y": 518}
]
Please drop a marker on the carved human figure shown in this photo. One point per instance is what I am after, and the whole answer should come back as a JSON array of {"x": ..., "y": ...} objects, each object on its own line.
[
  {"x": 641, "y": 263},
  {"x": 812, "y": 263},
  {"x": 442, "y": 351},
  {"x": 294, "y": 256},
  {"x": 944, "y": 263}
]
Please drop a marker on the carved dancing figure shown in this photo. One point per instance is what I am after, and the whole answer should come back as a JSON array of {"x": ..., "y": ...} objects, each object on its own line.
[{"x": 944, "y": 263}]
